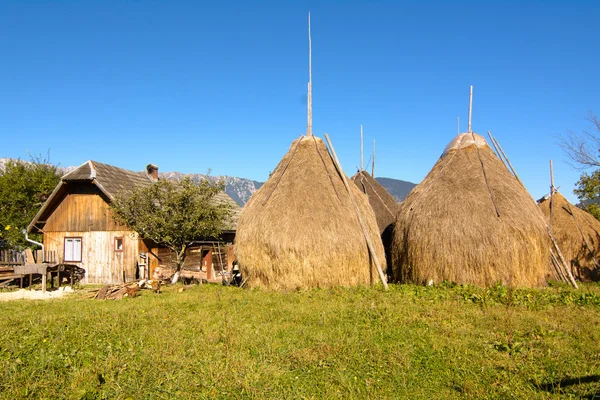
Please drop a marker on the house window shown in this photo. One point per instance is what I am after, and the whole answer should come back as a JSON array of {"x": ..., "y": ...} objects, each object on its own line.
[
  {"x": 73, "y": 249},
  {"x": 118, "y": 244}
]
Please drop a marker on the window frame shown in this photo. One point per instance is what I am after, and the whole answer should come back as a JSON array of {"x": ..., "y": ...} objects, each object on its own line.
[
  {"x": 116, "y": 249},
  {"x": 80, "y": 239}
]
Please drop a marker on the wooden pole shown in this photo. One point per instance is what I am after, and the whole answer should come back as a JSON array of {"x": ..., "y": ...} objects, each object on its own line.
[
  {"x": 373, "y": 165},
  {"x": 497, "y": 151},
  {"x": 458, "y": 125},
  {"x": 358, "y": 214},
  {"x": 470, "y": 107},
  {"x": 309, "y": 124},
  {"x": 508, "y": 162},
  {"x": 551, "y": 195},
  {"x": 362, "y": 165}
]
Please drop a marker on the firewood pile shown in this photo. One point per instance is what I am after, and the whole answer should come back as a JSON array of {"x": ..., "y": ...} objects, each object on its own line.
[{"x": 130, "y": 289}]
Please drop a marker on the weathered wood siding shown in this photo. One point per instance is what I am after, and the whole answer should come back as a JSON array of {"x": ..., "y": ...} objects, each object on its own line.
[
  {"x": 199, "y": 257},
  {"x": 101, "y": 262},
  {"x": 84, "y": 211}
]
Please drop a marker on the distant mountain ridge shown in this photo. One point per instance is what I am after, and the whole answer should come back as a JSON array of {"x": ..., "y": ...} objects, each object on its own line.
[{"x": 241, "y": 189}]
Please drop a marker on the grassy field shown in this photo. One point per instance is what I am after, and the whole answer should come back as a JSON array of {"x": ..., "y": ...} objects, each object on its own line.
[{"x": 224, "y": 342}]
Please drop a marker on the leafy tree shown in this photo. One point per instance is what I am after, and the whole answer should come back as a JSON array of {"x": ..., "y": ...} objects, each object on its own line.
[
  {"x": 24, "y": 187},
  {"x": 584, "y": 151},
  {"x": 588, "y": 192},
  {"x": 174, "y": 214}
]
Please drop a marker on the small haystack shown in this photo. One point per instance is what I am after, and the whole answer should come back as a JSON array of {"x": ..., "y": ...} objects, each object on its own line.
[
  {"x": 470, "y": 222},
  {"x": 383, "y": 203},
  {"x": 300, "y": 229},
  {"x": 577, "y": 233},
  {"x": 385, "y": 208}
]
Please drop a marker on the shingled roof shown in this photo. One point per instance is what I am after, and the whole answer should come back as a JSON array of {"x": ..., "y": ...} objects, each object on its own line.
[{"x": 111, "y": 180}]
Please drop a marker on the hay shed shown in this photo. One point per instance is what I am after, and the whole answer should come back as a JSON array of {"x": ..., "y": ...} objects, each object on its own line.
[
  {"x": 577, "y": 233},
  {"x": 300, "y": 229},
  {"x": 470, "y": 222}
]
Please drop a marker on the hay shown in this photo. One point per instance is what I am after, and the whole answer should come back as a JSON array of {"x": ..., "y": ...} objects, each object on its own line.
[
  {"x": 299, "y": 230},
  {"x": 569, "y": 237},
  {"x": 383, "y": 203},
  {"x": 448, "y": 227}
]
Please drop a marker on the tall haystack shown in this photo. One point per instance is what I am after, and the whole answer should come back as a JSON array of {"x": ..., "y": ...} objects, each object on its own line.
[
  {"x": 300, "y": 229},
  {"x": 577, "y": 233},
  {"x": 470, "y": 222}
]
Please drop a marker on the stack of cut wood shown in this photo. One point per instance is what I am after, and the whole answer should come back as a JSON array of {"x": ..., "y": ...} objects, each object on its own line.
[{"x": 118, "y": 291}]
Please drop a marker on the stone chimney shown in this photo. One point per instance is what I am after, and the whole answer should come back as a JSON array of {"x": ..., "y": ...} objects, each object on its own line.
[{"x": 152, "y": 171}]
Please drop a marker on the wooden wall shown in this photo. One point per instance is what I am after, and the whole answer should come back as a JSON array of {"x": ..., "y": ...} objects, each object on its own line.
[
  {"x": 82, "y": 212},
  {"x": 101, "y": 262}
]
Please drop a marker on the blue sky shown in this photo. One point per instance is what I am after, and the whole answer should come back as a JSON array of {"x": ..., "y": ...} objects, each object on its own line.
[{"x": 192, "y": 86}]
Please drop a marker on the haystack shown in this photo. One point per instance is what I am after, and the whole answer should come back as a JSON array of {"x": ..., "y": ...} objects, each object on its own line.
[
  {"x": 383, "y": 203},
  {"x": 470, "y": 222},
  {"x": 577, "y": 233},
  {"x": 300, "y": 230},
  {"x": 385, "y": 208}
]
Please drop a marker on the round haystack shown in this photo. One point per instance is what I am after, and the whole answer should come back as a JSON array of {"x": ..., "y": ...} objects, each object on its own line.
[
  {"x": 470, "y": 222},
  {"x": 300, "y": 229},
  {"x": 578, "y": 235}
]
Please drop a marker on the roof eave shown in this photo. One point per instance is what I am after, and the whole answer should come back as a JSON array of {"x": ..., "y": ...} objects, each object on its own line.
[{"x": 45, "y": 206}]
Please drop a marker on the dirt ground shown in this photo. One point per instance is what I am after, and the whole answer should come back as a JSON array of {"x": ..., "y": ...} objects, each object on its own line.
[{"x": 35, "y": 294}]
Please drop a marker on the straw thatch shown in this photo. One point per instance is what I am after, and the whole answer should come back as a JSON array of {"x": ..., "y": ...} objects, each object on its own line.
[
  {"x": 470, "y": 222},
  {"x": 383, "y": 203},
  {"x": 300, "y": 230},
  {"x": 580, "y": 248},
  {"x": 385, "y": 208}
]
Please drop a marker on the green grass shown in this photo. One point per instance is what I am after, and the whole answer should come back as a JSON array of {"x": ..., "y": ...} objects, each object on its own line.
[{"x": 223, "y": 342}]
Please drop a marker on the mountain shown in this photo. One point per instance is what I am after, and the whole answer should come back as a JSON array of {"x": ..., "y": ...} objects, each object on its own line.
[
  {"x": 397, "y": 188},
  {"x": 240, "y": 189}
]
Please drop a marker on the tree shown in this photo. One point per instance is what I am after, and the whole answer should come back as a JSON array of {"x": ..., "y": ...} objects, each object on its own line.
[
  {"x": 584, "y": 151},
  {"x": 24, "y": 187},
  {"x": 588, "y": 192},
  {"x": 583, "y": 148},
  {"x": 174, "y": 214}
]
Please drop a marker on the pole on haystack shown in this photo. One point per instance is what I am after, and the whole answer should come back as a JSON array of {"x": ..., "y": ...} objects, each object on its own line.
[
  {"x": 309, "y": 124},
  {"x": 362, "y": 159},
  {"x": 470, "y": 107},
  {"x": 373, "y": 165},
  {"x": 358, "y": 214},
  {"x": 458, "y": 125},
  {"x": 551, "y": 195}
]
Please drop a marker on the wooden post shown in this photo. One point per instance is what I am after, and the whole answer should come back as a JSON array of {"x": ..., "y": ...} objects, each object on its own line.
[
  {"x": 309, "y": 124},
  {"x": 470, "y": 107},
  {"x": 551, "y": 195},
  {"x": 358, "y": 214},
  {"x": 373, "y": 165},
  {"x": 30, "y": 281},
  {"x": 362, "y": 166},
  {"x": 44, "y": 277}
]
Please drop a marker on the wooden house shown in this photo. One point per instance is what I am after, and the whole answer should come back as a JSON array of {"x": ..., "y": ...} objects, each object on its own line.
[{"x": 76, "y": 224}]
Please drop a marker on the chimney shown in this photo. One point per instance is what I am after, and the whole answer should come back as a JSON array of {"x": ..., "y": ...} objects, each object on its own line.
[{"x": 152, "y": 171}]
